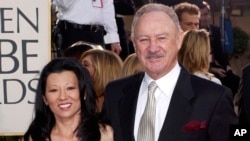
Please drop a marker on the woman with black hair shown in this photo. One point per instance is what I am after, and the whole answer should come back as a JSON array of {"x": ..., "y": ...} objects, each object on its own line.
[{"x": 65, "y": 106}]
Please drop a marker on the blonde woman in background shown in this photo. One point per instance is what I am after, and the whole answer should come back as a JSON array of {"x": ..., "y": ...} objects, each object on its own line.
[
  {"x": 104, "y": 66},
  {"x": 195, "y": 52},
  {"x": 131, "y": 66}
]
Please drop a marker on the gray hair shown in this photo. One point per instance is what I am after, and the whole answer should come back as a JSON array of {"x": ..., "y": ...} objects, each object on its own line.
[{"x": 155, "y": 7}]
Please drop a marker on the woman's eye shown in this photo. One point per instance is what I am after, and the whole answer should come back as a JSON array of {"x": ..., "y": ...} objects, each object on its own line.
[
  {"x": 71, "y": 88},
  {"x": 52, "y": 90},
  {"x": 85, "y": 65}
]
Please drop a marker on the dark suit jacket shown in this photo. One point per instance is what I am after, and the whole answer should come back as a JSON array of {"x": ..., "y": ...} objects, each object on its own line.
[
  {"x": 244, "y": 91},
  {"x": 216, "y": 46},
  {"x": 193, "y": 98}
]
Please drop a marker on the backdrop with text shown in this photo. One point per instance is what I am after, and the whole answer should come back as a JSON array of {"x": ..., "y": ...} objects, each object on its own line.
[{"x": 25, "y": 47}]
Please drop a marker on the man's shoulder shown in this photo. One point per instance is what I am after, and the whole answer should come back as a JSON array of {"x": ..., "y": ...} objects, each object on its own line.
[
  {"x": 206, "y": 91},
  {"x": 198, "y": 84},
  {"x": 206, "y": 85},
  {"x": 126, "y": 81}
]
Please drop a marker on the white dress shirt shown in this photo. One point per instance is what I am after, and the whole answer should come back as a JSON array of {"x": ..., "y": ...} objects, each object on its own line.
[
  {"x": 90, "y": 12},
  {"x": 163, "y": 95}
]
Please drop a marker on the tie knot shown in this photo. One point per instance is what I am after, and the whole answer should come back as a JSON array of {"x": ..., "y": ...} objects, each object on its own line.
[{"x": 152, "y": 86}]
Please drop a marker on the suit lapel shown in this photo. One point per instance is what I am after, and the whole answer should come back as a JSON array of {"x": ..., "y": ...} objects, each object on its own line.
[
  {"x": 179, "y": 107},
  {"x": 127, "y": 108}
]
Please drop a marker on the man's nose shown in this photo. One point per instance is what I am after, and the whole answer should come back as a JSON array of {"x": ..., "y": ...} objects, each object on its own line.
[
  {"x": 153, "y": 45},
  {"x": 194, "y": 26}
]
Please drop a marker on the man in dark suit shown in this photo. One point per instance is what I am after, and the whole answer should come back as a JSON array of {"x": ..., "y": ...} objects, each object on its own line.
[
  {"x": 244, "y": 92},
  {"x": 184, "y": 107},
  {"x": 219, "y": 65}
]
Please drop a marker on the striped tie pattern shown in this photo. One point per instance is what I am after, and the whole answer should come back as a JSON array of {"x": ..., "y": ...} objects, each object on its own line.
[{"x": 147, "y": 124}]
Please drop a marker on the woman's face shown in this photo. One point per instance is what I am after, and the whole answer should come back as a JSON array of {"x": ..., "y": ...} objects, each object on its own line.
[
  {"x": 88, "y": 64},
  {"x": 62, "y": 95}
]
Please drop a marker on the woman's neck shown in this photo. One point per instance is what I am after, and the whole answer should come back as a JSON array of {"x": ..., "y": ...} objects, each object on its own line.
[{"x": 64, "y": 130}]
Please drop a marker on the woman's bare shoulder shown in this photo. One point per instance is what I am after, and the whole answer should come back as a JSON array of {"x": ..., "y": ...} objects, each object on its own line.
[{"x": 106, "y": 132}]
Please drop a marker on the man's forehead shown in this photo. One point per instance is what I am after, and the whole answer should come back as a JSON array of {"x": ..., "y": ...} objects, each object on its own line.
[{"x": 189, "y": 17}]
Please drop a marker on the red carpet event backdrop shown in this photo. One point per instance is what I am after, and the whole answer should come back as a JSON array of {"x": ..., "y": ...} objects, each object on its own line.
[{"x": 24, "y": 50}]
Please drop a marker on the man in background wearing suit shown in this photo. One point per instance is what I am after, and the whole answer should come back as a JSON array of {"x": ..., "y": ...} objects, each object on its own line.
[
  {"x": 244, "y": 93},
  {"x": 220, "y": 65},
  {"x": 183, "y": 106}
]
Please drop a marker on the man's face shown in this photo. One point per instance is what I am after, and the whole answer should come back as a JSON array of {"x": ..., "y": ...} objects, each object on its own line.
[
  {"x": 205, "y": 17},
  {"x": 189, "y": 22},
  {"x": 157, "y": 41}
]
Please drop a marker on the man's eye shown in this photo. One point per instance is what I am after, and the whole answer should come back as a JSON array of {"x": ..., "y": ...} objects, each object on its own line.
[
  {"x": 188, "y": 24},
  {"x": 162, "y": 38},
  {"x": 143, "y": 40}
]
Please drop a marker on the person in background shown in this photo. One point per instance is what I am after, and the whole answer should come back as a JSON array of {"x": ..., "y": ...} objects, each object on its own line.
[
  {"x": 188, "y": 15},
  {"x": 219, "y": 65},
  {"x": 178, "y": 105},
  {"x": 91, "y": 21},
  {"x": 104, "y": 66},
  {"x": 244, "y": 96},
  {"x": 65, "y": 107},
  {"x": 131, "y": 65},
  {"x": 123, "y": 8},
  {"x": 76, "y": 50},
  {"x": 194, "y": 54}
]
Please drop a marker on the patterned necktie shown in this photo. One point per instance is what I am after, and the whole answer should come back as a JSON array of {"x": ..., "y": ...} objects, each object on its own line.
[{"x": 147, "y": 124}]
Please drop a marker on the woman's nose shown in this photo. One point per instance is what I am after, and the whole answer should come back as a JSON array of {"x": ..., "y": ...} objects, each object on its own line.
[{"x": 63, "y": 94}]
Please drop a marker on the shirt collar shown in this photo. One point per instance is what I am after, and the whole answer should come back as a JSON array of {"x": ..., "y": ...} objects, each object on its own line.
[{"x": 167, "y": 82}]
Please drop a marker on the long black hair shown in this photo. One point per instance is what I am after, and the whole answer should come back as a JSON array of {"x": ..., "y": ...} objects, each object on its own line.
[{"x": 44, "y": 120}]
